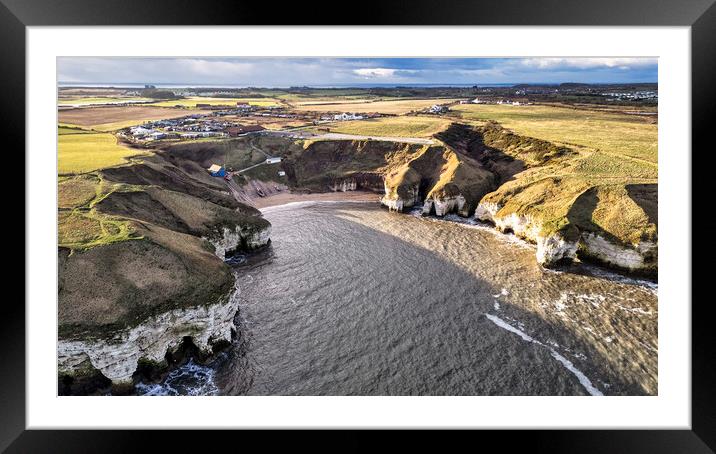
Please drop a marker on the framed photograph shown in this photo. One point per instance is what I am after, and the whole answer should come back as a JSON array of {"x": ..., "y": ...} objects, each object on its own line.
[{"x": 244, "y": 218}]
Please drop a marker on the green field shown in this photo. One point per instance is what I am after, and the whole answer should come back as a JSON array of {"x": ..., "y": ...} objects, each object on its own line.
[
  {"x": 193, "y": 101},
  {"x": 405, "y": 126},
  {"x": 79, "y": 225},
  {"x": 609, "y": 132},
  {"x": 80, "y": 153}
]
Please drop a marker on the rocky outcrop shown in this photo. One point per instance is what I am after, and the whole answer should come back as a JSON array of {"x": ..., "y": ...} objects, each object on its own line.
[
  {"x": 344, "y": 185},
  {"x": 442, "y": 206},
  {"x": 228, "y": 240},
  {"x": 555, "y": 248},
  {"x": 641, "y": 257},
  {"x": 257, "y": 238},
  {"x": 400, "y": 200},
  {"x": 568, "y": 243},
  {"x": 551, "y": 248},
  {"x": 440, "y": 178},
  {"x": 118, "y": 355},
  {"x": 522, "y": 225}
]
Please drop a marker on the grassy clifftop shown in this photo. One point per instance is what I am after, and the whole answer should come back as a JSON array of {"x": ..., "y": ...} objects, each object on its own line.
[
  {"x": 594, "y": 191},
  {"x": 130, "y": 242}
]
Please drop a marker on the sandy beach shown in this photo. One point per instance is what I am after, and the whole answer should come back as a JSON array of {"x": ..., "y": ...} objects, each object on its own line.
[{"x": 287, "y": 197}]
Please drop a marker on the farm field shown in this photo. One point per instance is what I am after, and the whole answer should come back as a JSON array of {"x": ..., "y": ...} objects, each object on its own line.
[
  {"x": 267, "y": 122},
  {"x": 79, "y": 153},
  {"x": 193, "y": 101},
  {"x": 113, "y": 118},
  {"x": 99, "y": 100},
  {"x": 396, "y": 107},
  {"x": 404, "y": 126},
  {"x": 62, "y": 130},
  {"x": 341, "y": 100},
  {"x": 613, "y": 133}
]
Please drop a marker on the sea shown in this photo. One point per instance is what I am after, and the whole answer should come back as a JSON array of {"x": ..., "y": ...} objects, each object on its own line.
[{"x": 351, "y": 299}]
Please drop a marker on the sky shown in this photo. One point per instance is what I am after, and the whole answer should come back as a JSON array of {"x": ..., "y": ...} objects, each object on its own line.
[{"x": 286, "y": 72}]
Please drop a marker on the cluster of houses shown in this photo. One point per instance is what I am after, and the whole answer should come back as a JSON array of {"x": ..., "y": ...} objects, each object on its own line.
[
  {"x": 192, "y": 127},
  {"x": 499, "y": 101},
  {"x": 636, "y": 95},
  {"x": 145, "y": 133},
  {"x": 473, "y": 101},
  {"x": 438, "y": 109},
  {"x": 347, "y": 117},
  {"x": 226, "y": 109}
]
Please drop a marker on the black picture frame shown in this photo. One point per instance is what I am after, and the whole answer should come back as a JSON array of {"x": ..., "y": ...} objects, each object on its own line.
[{"x": 700, "y": 15}]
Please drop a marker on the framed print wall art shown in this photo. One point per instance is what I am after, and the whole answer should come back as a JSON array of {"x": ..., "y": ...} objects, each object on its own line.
[{"x": 428, "y": 219}]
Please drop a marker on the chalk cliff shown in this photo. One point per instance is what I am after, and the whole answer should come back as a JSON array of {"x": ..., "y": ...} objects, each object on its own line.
[{"x": 132, "y": 302}]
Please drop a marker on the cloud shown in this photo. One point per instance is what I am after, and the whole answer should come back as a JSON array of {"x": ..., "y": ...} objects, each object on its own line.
[
  {"x": 373, "y": 73},
  {"x": 588, "y": 63},
  {"x": 285, "y": 72},
  {"x": 203, "y": 67}
]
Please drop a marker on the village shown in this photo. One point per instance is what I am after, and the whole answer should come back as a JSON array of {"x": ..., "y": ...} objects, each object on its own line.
[{"x": 225, "y": 121}]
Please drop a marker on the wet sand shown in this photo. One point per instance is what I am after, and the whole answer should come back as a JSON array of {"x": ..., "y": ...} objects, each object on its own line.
[{"x": 287, "y": 197}]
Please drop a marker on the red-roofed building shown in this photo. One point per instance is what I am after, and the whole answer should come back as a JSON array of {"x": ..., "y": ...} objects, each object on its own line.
[{"x": 240, "y": 129}]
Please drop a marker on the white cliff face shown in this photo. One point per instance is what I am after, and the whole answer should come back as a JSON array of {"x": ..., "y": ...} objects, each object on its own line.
[
  {"x": 231, "y": 239},
  {"x": 550, "y": 248},
  {"x": 524, "y": 226},
  {"x": 463, "y": 209},
  {"x": 227, "y": 241},
  {"x": 259, "y": 238},
  {"x": 393, "y": 204},
  {"x": 486, "y": 211},
  {"x": 397, "y": 203},
  {"x": 554, "y": 248},
  {"x": 117, "y": 357},
  {"x": 445, "y": 205},
  {"x": 428, "y": 206},
  {"x": 344, "y": 185},
  {"x": 624, "y": 257}
]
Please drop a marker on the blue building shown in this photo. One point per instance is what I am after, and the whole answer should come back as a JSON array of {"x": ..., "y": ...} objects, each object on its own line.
[{"x": 216, "y": 171}]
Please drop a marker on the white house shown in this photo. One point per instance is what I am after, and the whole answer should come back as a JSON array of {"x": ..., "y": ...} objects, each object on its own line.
[
  {"x": 273, "y": 160},
  {"x": 347, "y": 116},
  {"x": 140, "y": 131},
  {"x": 438, "y": 109}
]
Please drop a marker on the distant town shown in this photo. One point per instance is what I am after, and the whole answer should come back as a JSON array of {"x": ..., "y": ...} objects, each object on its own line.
[{"x": 219, "y": 119}]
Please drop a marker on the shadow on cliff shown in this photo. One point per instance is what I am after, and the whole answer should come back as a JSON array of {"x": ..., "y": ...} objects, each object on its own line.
[
  {"x": 491, "y": 360},
  {"x": 581, "y": 212},
  {"x": 646, "y": 196},
  {"x": 470, "y": 142}
]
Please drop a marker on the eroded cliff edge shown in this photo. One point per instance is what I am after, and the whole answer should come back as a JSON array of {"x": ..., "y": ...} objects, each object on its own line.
[
  {"x": 141, "y": 269},
  {"x": 570, "y": 201}
]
